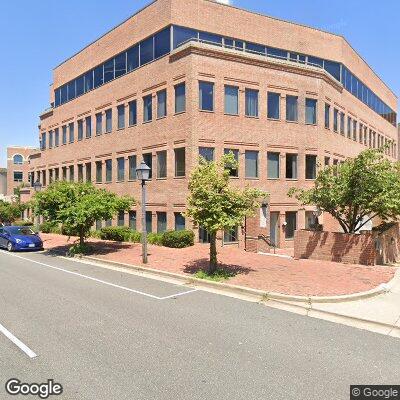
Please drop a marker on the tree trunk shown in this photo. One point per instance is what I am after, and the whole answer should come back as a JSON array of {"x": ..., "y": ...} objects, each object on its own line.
[
  {"x": 81, "y": 237},
  {"x": 213, "y": 253}
]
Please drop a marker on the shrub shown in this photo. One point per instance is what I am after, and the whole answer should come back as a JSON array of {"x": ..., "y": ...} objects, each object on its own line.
[
  {"x": 67, "y": 231},
  {"x": 155, "y": 238},
  {"x": 135, "y": 237},
  {"x": 94, "y": 234},
  {"x": 23, "y": 223},
  {"x": 115, "y": 233},
  {"x": 178, "y": 239},
  {"x": 78, "y": 249},
  {"x": 48, "y": 227}
]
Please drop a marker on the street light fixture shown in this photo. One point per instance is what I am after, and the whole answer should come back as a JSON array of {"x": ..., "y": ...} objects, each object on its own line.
[
  {"x": 143, "y": 175},
  {"x": 37, "y": 186}
]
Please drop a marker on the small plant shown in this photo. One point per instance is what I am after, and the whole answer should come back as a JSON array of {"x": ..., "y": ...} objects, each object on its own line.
[
  {"x": 115, "y": 233},
  {"x": 155, "y": 238},
  {"x": 48, "y": 227},
  {"x": 78, "y": 249},
  {"x": 217, "y": 276},
  {"x": 178, "y": 239},
  {"x": 135, "y": 237}
]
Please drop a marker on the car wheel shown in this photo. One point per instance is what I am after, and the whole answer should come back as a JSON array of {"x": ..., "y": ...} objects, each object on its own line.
[{"x": 9, "y": 246}]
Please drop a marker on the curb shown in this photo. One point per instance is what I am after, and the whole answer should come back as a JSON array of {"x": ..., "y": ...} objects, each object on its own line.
[{"x": 236, "y": 289}]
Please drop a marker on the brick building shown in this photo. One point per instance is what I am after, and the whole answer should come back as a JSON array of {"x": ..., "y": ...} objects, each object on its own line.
[
  {"x": 187, "y": 77},
  {"x": 18, "y": 167}
]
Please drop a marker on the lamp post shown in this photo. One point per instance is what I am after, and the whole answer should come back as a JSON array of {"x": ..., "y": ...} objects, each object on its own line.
[
  {"x": 143, "y": 175},
  {"x": 37, "y": 186}
]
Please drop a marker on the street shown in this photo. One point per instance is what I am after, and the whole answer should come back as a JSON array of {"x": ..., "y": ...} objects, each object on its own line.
[{"x": 105, "y": 334}]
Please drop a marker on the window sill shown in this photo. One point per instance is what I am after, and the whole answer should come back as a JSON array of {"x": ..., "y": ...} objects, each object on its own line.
[
  {"x": 123, "y": 181},
  {"x": 132, "y": 180},
  {"x": 231, "y": 115},
  {"x": 310, "y": 124},
  {"x": 147, "y": 122},
  {"x": 292, "y": 122},
  {"x": 207, "y": 111},
  {"x": 310, "y": 179},
  {"x": 252, "y": 116},
  {"x": 274, "y": 119},
  {"x": 120, "y": 129},
  {"x": 292, "y": 179},
  {"x": 180, "y": 113},
  {"x": 159, "y": 118},
  {"x": 273, "y": 179},
  {"x": 162, "y": 178},
  {"x": 252, "y": 178},
  {"x": 180, "y": 177},
  {"x": 230, "y": 243},
  {"x": 132, "y": 126}
]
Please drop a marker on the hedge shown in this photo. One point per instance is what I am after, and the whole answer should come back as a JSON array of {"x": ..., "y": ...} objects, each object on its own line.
[
  {"x": 155, "y": 238},
  {"x": 115, "y": 233},
  {"x": 178, "y": 239},
  {"x": 49, "y": 227}
]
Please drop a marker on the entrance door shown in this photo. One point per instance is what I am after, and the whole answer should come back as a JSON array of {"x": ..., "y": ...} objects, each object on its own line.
[{"x": 274, "y": 229}]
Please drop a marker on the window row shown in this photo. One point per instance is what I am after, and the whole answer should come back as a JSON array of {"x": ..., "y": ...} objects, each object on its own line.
[
  {"x": 126, "y": 116},
  {"x": 231, "y": 103},
  {"x": 357, "y": 131}
]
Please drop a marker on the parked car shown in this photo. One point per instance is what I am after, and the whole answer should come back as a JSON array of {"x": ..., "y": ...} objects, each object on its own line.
[{"x": 14, "y": 238}]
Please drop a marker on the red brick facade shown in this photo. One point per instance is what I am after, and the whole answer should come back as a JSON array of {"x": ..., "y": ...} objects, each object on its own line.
[{"x": 194, "y": 128}]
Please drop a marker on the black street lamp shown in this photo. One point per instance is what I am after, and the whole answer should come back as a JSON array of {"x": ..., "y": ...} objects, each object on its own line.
[
  {"x": 37, "y": 186},
  {"x": 143, "y": 175}
]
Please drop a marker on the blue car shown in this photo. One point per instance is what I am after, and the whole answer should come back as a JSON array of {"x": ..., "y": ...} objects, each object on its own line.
[{"x": 14, "y": 238}]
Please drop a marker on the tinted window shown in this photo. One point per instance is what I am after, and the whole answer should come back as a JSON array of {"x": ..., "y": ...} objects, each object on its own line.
[
  {"x": 182, "y": 35},
  {"x": 133, "y": 58},
  {"x": 109, "y": 71},
  {"x": 80, "y": 89},
  {"x": 273, "y": 105},
  {"x": 148, "y": 159},
  {"x": 206, "y": 96},
  {"x": 311, "y": 166},
  {"x": 121, "y": 116},
  {"x": 207, "y": 153},
  {"x": 180, "y": 167},
  {"x": 120, "y": 65},
  {"x": 132, "y": 113},
  {"x": 291, "y": 166},
  {"x": 120, "y": 169},
  {"x": 71, "y": 90},
  {"x": 282, "y": 54},
  {"x": 179, "y": 222},
  {"x": 161, "y": 222},
  {"x": 146, "y": 51},
  {"x": 162, "y": 43},
  {"x": 132, "y": 168},
  {"x": 108, "y": 170},
  {"x": 108, "y": 121},
  {"x": 257, "y": 48},
  {"x": 162, "y": 164},
  {"x": 98, "y": 76},
  {"x": 251, "y": 165},
  {"x": 88, "y": 127},
  {"x": 311, "y": 111},
  {"x": 232, "y": 100},
  {"x": 273, "y": 165},
  {"x": 210, "y": 38},
  {"x": 291, "y": 108},
  {"x": 147, "y": 108},
  {"x": 88, "y": 81},
  {"x": 161, "y": 104},
  {"x": 180, "y": 98},
  {"x": 333, "y": 68}
]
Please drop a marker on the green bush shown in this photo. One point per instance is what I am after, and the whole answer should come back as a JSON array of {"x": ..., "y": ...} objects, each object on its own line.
[
  {"x": 155, "y": 238},
  {"x": 22, "y": 223},
  {"x": 115, "y": 233},
  {"x": 48, "y": 227},
  {"x": 135, "y": 237},
  {"x": 94, "y": 234},
  {"x": 178, "y": 239},
  {"x": 67, "y": 231}
]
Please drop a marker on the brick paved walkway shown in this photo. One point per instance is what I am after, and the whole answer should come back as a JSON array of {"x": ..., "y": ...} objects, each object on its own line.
[{"x": 269, "y": 273}]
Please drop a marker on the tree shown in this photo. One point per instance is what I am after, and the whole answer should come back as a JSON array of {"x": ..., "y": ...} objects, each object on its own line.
[
  {"x": 215, "y": 205},
  {"x": 356, "y": 191},
  {"x": 9, "y": 212},
  {"x": 78, "y": 205}
]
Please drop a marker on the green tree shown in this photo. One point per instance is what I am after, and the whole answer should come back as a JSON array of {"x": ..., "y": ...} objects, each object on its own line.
[
  {"x": 78, "y": 205},
  {"x": 9, "y": 212},
  {"x": 215, "y": 205},
  {"x": 356, "y": 191}
]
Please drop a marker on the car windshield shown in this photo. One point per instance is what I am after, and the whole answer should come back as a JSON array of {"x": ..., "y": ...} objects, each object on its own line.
[{"x": 20, "y": 230}]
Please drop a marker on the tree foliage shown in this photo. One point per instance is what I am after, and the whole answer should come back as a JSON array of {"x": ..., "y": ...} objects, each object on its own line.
[
  {"x": 9, "y": 212},
  {"x": 78, "y": 205},
  {"x": 357, "y": 190},
  {"x": 214, "y": 204}
]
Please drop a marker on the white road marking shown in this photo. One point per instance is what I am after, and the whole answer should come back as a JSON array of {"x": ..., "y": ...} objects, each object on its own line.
[
  {"x": 101, "y": 281},
  {"x": 17, "y": 342}
]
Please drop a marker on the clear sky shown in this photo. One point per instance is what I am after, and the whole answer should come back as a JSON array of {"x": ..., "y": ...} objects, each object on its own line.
[{"x": 38, "y": 35}]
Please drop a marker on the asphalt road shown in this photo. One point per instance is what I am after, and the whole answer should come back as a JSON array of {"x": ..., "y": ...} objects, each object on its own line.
[{"x": 105, "y": 334}]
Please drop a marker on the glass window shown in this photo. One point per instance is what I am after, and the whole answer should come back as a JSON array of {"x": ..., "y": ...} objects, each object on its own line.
[
  {"x": 277, "y": 53},
  {"x": 80, "y": 172},
  {"x": 56, "y": 137},
  {"x": 327, "y": 115},
  {"x": 311, "y": 166},
  {"x": 64, "y": 134},
  {"x": 333, "y": 68},
  {"x": 64, "y": 173},
  {"x": 206, "y": 96},
  {"x": 98, "y": 76},
  {"x": 50, "y": 139},
  {"x": 146, "y": 51},
  {"x": 311, "y": 111},
  {"x": 121, "y": 116},
  {"x": 98, "y": 225},
  {"x": 71, "y": 90},
  {"x": 251, "y": 164},
  {"x": 120, "y": 169},
  {"x": 231, "y": 236},
  {"x": 64, "y": 94},
  {"x": 335, "y": 119},
  {"x": 291, "y": 166},
  {"x": 291, "y": 108},
  {"x": 327, "y": 161},
  {"x": 71, "y": 132},
  {"x": 162, "y": 43},
  {"x": 43, "y": 141},
  {"x": 71, "y": 173},
  {"x": 256, "y": 48},
  {"x": 121, "y": 218},
  {"x": 355, "y": 130},
  {"x": 207, "y": 153},
  {"x": 182, "y": 35},
  {"x": 108, "y": 70},
  {"x": 88, "y": 122},
  {"x": 148, "y": 159},
  {"x": 161, "y": 103},
  {"x": 89, "y": 172},
  {"x": 231, "y": 100},
  {"x": 291, "y": 224},
  {"x": 80, "y": 86},
  {"x": 80, "y": 129},
  {"x": 108, "y": 120},
  {"x": 108, "y": 222},
  {"x": 18, "y": 159},
  {"x": 342, "y": 123},
  {"x": 162, "y": 164},
  {"x": 133, "y": 58},
  {"x": 99, "y": 124},
  {"x": 273, "y": 165},
  {"x": 233, "y": 170},
  {"x": 349, "y": 126},
  {"x": 88, "y": 81},
  {"x": 149, "y": 221},
  {"x": 132, "y": 220},
  {"x": 147, "y": 108},
  {"x": 18, "y": 176},
  {"x": 120, "y": 65},
  {"x": 132, "y": 112},
  {"x": 251, "y": 105},
  {"x": 108, "y": 170},
  {"x": 180, "y": 98},
  {"x": 273, "y": 103},
  {"x": 161, "y": 222},
  {"x": 132, "y": 168},
  {"x": 180, "y": 163},
  {"x": 315, "y": 61},
  {"x": 180, "y": 224},
  {"x": 210, "y": 38}
]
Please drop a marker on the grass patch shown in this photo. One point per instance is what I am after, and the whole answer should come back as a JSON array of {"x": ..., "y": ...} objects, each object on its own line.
[{"x": 218, "y": 276}]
